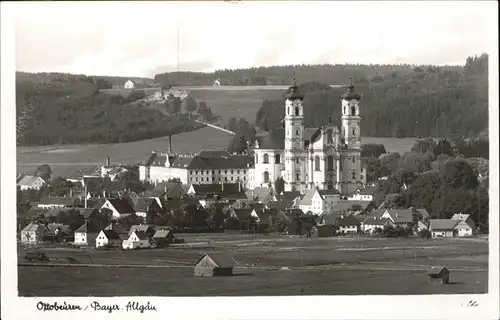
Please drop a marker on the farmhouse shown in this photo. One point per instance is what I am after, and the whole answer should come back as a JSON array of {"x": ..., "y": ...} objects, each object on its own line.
[
  {"x": 118, "y": 207},
  {"x": 442, "y": 228},
  {"x": 146, "y": 228},
  {"x": 463, "y": 230},
  {"x": 33, "y": 233},
  {"x": 163, "y": 237},
  {"x": 108, "y": 238},
  {"x": 208, "y": 193},
  {"x": 147, "y": 206},
  {"x": 129, "y": 84},
  {"x": 439, "y": 274},
  {"x": 353, "y": 206},
  {"x": 264, "y": 195},
  {"x": 116, "y": 227},
  {"x": 318, "y": 201},
  {"x": 404, "y": 218},
  {"x": 370, "y": 224},
  {"x": 214, "y": 265},
  {"x": 201, "y": 168},
  {"x": 86, "y": 235},
  {"x": 365, "y": 194},
  {"x": 31, "y": 182},
  {"x": 137, "y": 239},
  {"x": 89, "y": 214},
  {"x": 243, "y": 217},
  {"x": 347, "y": 224}
]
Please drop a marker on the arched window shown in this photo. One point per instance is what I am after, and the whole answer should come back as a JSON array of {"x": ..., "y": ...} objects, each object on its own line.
[
  {"x": 288, "y": 110},
  {"x": 344, "y": 110},
  {"x": 266, "y": 158},
  {"x": 353, "y": 131},
  {"x": 297, "y": 111},
  {"x": 316, "y": 163},
  {"x": 353, "y": 111},
  {"x": 297, "y": 176},
  {"x": 330, "y": 136},
  {"x": 330, "y": 163},
  {"x": 277, "y": 159},
  {"x": 353, "y": 175},
  {"x": 256, "y": 158},
  {"x": 266, "y": 176}
]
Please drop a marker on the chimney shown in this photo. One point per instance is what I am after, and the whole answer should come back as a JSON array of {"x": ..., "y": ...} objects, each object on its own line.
[{"x": 170, "y": 144}]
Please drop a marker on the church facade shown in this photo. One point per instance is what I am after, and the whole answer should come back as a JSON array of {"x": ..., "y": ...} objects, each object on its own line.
[{"x": 324, "y": 158}]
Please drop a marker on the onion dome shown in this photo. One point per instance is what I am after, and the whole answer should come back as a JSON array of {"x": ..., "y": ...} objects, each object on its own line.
[
  {"x": 350, "y": 94},
  {"x": 293, "y": 92}
]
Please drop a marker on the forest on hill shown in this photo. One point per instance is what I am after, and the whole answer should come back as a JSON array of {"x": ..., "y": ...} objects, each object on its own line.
[
  {"x": 77, "y": 112},
  {"x": 108, "y": 81},
  {"x": 423, "y": 102}
]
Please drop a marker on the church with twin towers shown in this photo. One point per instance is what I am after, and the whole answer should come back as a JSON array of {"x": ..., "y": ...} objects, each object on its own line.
[{"x": 325, "y": 158}]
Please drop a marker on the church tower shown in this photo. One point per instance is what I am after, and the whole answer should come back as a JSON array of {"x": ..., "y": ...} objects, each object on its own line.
[
  {"x": 350, "y": 128},
  {"x": 295, "y": 154}
]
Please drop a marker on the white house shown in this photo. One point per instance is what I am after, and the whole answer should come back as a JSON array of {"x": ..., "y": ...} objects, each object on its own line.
[
  {"x": 137, "y": 239},
  {"x": 118, "y": 207},
  {"x": 217, "y": 83},
  {"x": 34, "y": 233},
  {"x": 372, "y": 223},
  {"x": 318, "y": 201},
  {"x": 129, "y": 84},
  {"x": 31, "y": 182},
  {"x": 347, "y": 224},
  {"x": 86, "y": 235},
  {"x": 365, "y": 194},
  {"x": 108, "y": 238},
  {"x": 463, "y": 229},
  {"x": 468, "y": 220}
]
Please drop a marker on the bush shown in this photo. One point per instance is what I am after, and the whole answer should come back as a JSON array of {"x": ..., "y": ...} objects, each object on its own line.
[{"x": 425, "y": 234}]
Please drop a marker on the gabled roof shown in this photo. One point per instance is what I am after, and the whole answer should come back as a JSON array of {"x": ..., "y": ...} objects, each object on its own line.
[
  {"x": 143, "y": 204},
  {"x": 243, "y": 214},
  {"x": 324, "y": 193},
  {"x": 140, "y": 234},
  {"x": 256, "y": 206},
  {"x": 307, "y": 198},
  {"x": 328, "y": 218},
  {"x": 372, "y": 221},
  {"x": 140, "y": 228},
  {"x": 276, "y": 205},
  {"x": 261, "y": 193},
  {"x": 347, "y": 205},
  {"x": 28, "y": 180},
  {"x": 366, "y": 191},
  {"x": 118, "y": 228},
  {"x": 275, "y": 139},
  {"x": 460, "y": 216},
  {"x": 87, "y": 213},
  {"x": 35, "y": 227},
  {"x": 224, "y": 190},
  {"x": 288, "y": 197},
  {"x": 402, "y": 215},
  {"x": 442, "y": 224},
  {"x": 163, "y": 233},
  {"x": 347, "y": 221},
  {"x": 111, "y": 235},
  {"x": 220, "y": 259},
  {"x": 96, "y": 203},
  {"x": 121, "y": 205},
  {"x": 88, "y": 227}
]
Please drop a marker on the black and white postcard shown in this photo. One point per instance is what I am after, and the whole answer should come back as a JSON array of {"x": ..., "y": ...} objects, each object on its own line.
[{"x": 249, "y": 160}]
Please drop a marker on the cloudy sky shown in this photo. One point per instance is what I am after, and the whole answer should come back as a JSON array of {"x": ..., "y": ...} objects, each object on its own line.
[{"x": 140, "y": 39}]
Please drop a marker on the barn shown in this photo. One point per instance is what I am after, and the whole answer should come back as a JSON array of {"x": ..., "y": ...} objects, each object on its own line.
[
  {"x": 214, "y": 264},
  {"x": 439, "y": 274}
]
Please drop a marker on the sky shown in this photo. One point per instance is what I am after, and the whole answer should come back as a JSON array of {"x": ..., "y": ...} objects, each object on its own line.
[{"x": 141, "y": 38}]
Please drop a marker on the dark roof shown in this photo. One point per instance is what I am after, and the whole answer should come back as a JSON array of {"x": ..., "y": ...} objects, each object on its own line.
[
  {"x": 438, "y": 270},
  {"x": 118, "y": 228},
  {"x": 350, "y": 93},
  {"x": 288, "y": 197},
  {"x": 264, "y": 216},
  {"x": 213, "y": 153},
  {"x": 111, "y": 234},
  {"x": 346, "y": 205},
  {"x": 368, "y": 191},
  {"x": 140, "y": 228},
  {"x": 276, "y": 205},
  {"x": 143, "y": 204},
  {"x": 88, "y": 227},
  {"x": 141, "y": 235},
  {"x": 328, "y": 218},
  {"x": 224, "y": 190},
  {"x": 162, "y": 233},
  {"x": 328, "y": 192},
  {"x": 372, "y": 221},
  {"x": 347, "y": 221},
  {"x": 94, "y": 202},
  {"x": 442, "y": 224},
  {"x": 294, "y": 93},
  {"x": 243, "y": 214},
  {"x": 275, "y": 139},
  {"x": 121, "y": 205},
  {"x": 257, "y": 206},
  {"x": 87, "y": 213},
  {"x": 226, "y": 162},
  {"x": 220, "y": 259}
]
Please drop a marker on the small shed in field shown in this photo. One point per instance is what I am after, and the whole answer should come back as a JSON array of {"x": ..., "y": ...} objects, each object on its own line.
[
  {"x": 214, "y": 264},
  {"x": 439, "y": 274}
]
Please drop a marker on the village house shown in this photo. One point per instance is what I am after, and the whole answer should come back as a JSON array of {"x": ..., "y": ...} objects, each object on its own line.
[
  {"x": 364, "y": 194},
  {"x": 370, "y": 224},
  {"x": 33, "y": 233},
  {"x": 108, "y": 238},
  {"x": 147, "y": 206},
  {"x": 264, "y": 195},
  {"x": 89, "y": 214},
  {"x": 167, "y": 191},
  {"x": 242, "y": 218},
  {"x": 137, "y": 239},
  {"x": 116, "y": 227},
  {"x": 146, "y": 228},
  {"x": 211, "y": 193},
  {"x": 353, "y": 207},
  {"x": 206, "y": 167},
  {"x": 405, "y": 218},
  {"x": 318, "y": 201},
  {"x": 347, "y": 224},
  {"x": 163, "y": 237},
  {"x": 86, "y": 234},
  {"x": 214, "y": 264},
  {"x": 59, "y": 230},
  {"x": 442, "y": 228},
  {"x": 31, "y": 182},
  {"x": 130, "y": 84},
  {"x": 289, "y": 199},
  {"x": 118, "y": 207},
  {"x": 468, "y": 220}
]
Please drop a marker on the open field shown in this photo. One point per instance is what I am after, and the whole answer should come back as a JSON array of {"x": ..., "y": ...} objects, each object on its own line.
[
  {"x": 67, "y": 160},
  {"x": 267, "y": 266}
]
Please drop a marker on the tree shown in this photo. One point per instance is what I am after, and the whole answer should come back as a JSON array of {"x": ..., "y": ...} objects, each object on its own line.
[
  {"x": 415, "y": 162},
  {"x": 190, "y": 104},
  {"x": 372, "y": 150},
  {"x": 389, "y": 162},
  {"x": 136, "y": 95},
  {"x": 104, "y": 217},
  {"x": 373, "y": 169},
  {"x": 238, "y": 144},
  {"x": 458, "y": 174},
  {"x": 103, "y": 84},
  {"x": 232, "y": 125},
  {"x": 444, "y": 147},
  {"x": 279, "y": 185},
  {"x": 44, "y": 171},
  {"x": 423, "y": 145}
]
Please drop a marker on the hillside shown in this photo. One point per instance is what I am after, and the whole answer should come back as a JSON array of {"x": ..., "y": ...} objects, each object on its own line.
[
  {"x": 432, "y": 101},
  {"x": 44, "y": 77},
  {"x": 76, "y": 112}
]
